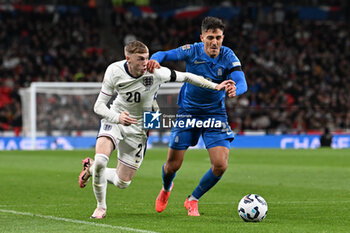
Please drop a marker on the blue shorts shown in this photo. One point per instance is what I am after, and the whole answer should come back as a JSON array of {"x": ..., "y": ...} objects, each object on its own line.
[{"x": 186, "y": 131}]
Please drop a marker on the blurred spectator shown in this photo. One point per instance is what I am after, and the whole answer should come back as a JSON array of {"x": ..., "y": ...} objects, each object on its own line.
[{"x": 326, "y": 138}]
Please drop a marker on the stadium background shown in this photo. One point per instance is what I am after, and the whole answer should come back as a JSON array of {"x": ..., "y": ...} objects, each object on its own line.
[
  {"x": 295, "y": 56},
  {"x": 304, "y": 58}
]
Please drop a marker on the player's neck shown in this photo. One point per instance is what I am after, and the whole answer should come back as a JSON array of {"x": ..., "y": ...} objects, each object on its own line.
[{"x": 130, "y": 71}]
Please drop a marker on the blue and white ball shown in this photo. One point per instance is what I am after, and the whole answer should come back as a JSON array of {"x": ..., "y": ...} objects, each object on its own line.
[{"x": 252, "y": 208}]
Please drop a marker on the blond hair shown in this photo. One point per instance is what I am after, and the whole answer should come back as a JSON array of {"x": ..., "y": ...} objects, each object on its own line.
[{"x": 135, "y": 47}]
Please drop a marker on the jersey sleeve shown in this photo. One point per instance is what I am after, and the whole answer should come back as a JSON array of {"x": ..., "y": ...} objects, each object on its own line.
[
  {"x": 241, "y": 83},
  {"x": 233, "y": 62},
  {"x": 163, "y": 74},
  {"x": 107, "y": 84},
  {"x": 105, "y": 95},
  {"x": 161, "y": 56},
  {"x": 167, "y": 75},
  {"x": 185, "y": 51},
  {"x": 194, "y": 79},
  {"x": 181, "y": 53},
  {"x": 234, "y": 70}
]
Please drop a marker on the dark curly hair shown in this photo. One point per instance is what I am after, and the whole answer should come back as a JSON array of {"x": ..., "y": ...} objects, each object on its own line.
[{"x": 212, "y": 23}]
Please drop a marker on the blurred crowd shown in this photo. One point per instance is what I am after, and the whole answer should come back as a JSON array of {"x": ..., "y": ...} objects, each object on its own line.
[
  {"x": 45, "y": 47},
  {"x": 297, "y": 71},
  {"x": 66, "y": 113}
]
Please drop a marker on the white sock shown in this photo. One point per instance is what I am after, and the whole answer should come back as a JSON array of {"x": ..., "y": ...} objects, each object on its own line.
[
  {"x": 111, "y": 175},
  {"x": 99, "y": 179},
  {"x": 192, "y": 198},
  {"x": 113, "y": 178}
]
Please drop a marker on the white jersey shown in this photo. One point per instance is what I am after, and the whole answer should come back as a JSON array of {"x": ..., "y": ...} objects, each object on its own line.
[{"x": 135, "y": 95}]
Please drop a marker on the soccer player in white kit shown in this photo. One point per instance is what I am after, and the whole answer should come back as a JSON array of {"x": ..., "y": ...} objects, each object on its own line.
[{"x": 121, "y": 126}]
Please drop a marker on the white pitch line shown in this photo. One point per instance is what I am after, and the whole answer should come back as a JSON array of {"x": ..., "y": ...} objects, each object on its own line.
[{"x": 76, "y": 221}]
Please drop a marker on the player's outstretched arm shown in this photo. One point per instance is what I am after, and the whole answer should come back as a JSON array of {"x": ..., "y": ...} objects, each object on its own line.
[
  {"x": 176, "y": 76},
  {"x": 228, "y": 85},
  {"x": 159, "y": 57},
  {"x": 201, "y": 81}
]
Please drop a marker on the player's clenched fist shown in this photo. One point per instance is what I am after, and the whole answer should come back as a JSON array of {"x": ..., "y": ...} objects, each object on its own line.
[{"x": 125, "y": 119}]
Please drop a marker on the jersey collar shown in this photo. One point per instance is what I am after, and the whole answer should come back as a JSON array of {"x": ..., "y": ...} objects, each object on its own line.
[{"x": 127, "y": 71}]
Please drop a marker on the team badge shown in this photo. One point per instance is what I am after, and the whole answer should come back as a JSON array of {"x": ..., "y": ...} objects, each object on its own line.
[
  {"x": 220, "y": 72},
  {"x": 107, "y": 127},
  {"x": 147, "y": 82}
]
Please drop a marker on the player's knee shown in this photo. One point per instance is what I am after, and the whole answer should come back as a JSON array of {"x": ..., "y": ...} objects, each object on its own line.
[
  {"x": 172, "y": 169},
  {"x": 173, "y": 166},
  {"x": 219, "y": 169},
  {"x": 123, "y": 184},
  {"x": 101, "y": 161}
]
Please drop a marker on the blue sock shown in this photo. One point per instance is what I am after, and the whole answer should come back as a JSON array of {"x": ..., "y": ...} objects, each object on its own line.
[
  {"x": 206, "y": 183},
  {"x": 167, "y": 179}
]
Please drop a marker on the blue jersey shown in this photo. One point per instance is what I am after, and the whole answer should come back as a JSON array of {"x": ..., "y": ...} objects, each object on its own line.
[{"x": 197, "y": 100}]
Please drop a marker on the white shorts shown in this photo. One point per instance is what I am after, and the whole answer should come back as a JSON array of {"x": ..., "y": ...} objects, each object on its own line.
[{"x": 130, "y": 141}]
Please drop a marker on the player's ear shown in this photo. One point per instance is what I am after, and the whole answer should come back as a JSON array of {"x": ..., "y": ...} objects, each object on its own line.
[
  {"x": 127, "y": 57},
  {"x": 202, "y": 38}
]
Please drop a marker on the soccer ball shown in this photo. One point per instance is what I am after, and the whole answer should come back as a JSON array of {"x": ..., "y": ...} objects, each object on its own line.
[{"x": 252, "y": 208}]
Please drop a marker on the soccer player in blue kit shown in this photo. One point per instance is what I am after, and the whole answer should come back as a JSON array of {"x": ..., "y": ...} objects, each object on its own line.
[{"x": 216, "y": 63}]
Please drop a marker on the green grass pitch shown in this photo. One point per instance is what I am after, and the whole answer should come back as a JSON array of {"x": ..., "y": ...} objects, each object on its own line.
[{"x": 306, "y": 191}]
